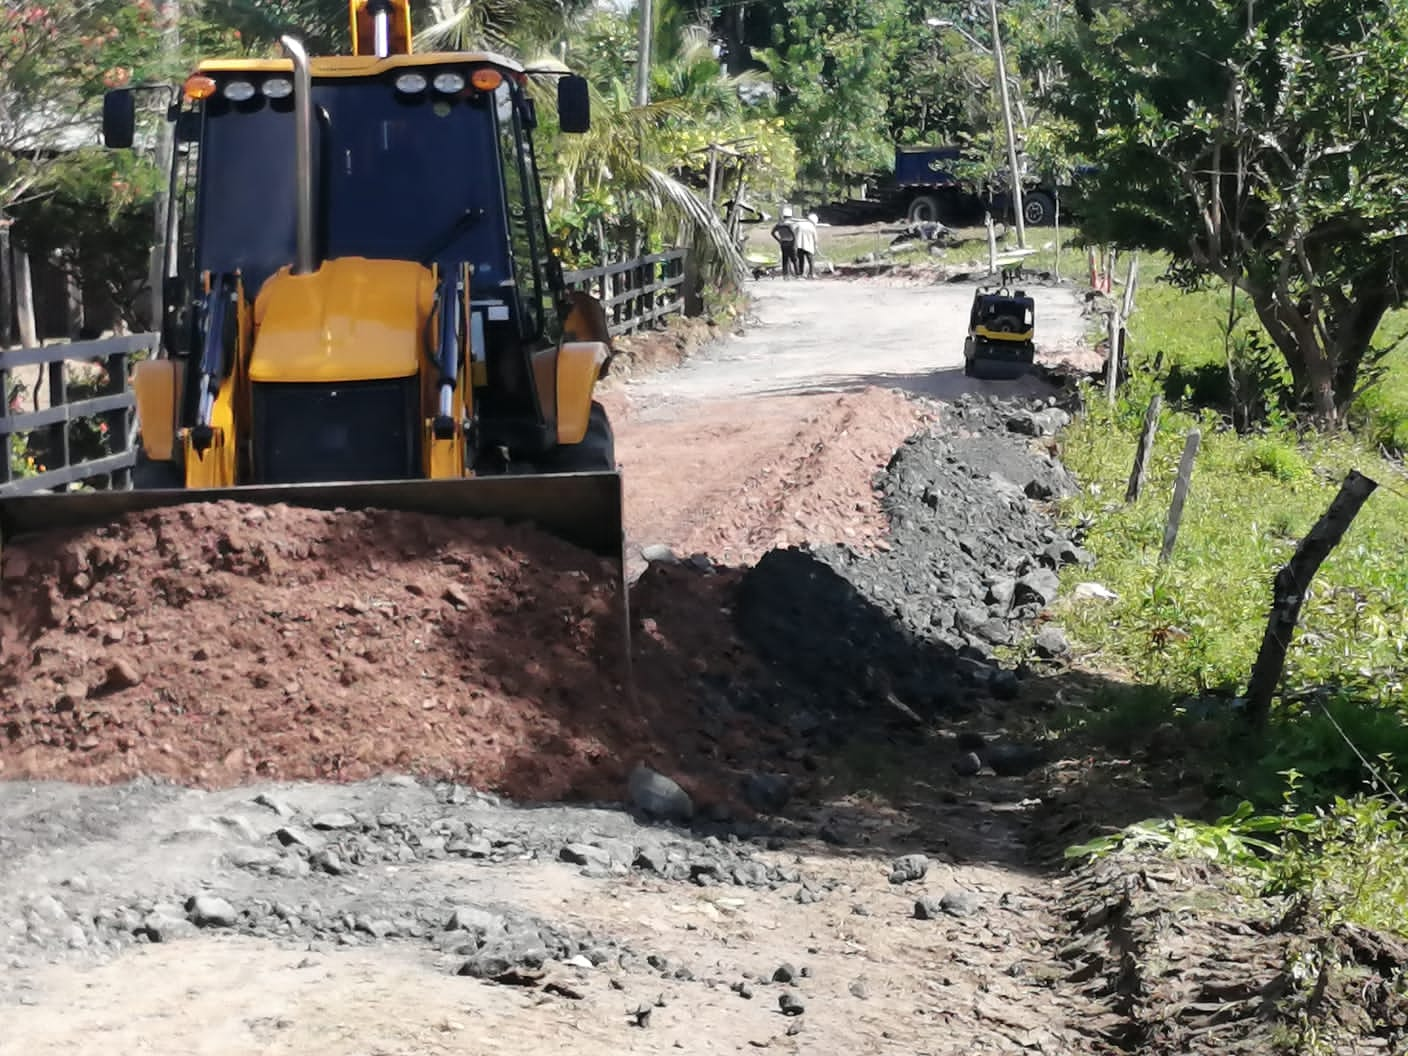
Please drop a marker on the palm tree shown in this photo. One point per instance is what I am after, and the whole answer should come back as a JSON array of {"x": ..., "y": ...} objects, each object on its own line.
[
  {"x": 694, "y": 76},
  {"x": 617, "y": 154},
  {"x": 518, "y": 27}
]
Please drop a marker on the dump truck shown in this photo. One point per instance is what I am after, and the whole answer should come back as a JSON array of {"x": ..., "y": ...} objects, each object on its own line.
[
  {"x": 929, "y": 190},
  {"x": 362, "y": 308}
]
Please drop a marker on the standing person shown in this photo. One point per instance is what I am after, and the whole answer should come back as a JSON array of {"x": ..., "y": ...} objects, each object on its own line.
[
  {"x": 785, "y": 233},
  {"x": 806, "y": 245}
]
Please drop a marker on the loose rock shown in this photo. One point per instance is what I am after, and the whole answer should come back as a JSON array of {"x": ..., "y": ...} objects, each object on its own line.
[
  {"x": 910, "y": 867},
  {"x": 210, "y": 911},
  {"x": 960, "y": 903},
  {"x": 1050, "y": 642},
  {"x": 658, "y": 796}
]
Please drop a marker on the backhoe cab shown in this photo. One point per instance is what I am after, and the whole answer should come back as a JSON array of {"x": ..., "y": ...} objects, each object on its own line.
[
  {"x": 1001, "y": 326},
  {"x": 361, "y": 292}
]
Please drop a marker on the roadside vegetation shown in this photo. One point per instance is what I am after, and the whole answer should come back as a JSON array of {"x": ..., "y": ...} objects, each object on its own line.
[{"x": 1312, "y": 803}]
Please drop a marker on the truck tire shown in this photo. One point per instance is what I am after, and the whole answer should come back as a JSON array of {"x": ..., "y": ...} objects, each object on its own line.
[
  {"x": 1038, "y": 209},
  {"x": 596, "y": 452},
  {"x": 924, "y": 210}
]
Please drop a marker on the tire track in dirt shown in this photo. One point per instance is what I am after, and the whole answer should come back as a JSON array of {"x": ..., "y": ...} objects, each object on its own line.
[{"x": 733, "y": 479}]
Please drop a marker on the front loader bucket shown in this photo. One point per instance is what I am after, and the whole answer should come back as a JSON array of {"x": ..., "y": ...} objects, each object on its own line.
[{"x": 582, "y": 508}]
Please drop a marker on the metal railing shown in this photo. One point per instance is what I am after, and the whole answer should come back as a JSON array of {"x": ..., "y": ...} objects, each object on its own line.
[
  {"x": 114, "y": 407},
  {"x": 637, "y": 292}
]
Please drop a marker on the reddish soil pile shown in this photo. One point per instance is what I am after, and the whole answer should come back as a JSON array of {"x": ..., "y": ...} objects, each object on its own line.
[
  {"x": 733, "y": 479},
  {"x": 214, "y": 644}
]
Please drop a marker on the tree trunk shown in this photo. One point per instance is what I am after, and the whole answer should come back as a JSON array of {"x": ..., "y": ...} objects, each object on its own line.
[
  {"x": 1325, "y": 378},
  {"x": 24, "y": 301}
]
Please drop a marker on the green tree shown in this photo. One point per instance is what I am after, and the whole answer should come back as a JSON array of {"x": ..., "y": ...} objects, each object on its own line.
[
  {"x": 521, "y": 27},
  {"x": 1265, "y": 149},
  {"x": 56, "y": 60},
  {"x": 830, "y": 61}
]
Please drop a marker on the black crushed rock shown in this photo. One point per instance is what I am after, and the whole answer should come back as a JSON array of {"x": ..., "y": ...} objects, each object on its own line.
[{"x": 971, "y": 562}]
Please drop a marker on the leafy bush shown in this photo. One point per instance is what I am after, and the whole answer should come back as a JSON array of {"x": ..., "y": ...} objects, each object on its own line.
[
  {"x": 1349, "y": 857},
  {"x": 1277, "y": 459}
]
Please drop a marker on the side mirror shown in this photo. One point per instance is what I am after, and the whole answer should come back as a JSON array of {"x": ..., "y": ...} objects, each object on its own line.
[
  {"x": 574, "y": 104},
  {"x": 119, "y": 118}
]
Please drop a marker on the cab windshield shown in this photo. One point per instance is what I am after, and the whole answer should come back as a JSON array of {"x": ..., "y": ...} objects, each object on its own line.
[{"x": 395, "y": 177}]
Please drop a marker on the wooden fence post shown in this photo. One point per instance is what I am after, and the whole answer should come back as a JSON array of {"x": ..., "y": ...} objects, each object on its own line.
[
  {"x": 1112, "y": 360},
  {"x": 1180, "y": 493},
  {"x": 1292, "y": 583},
  {"x": 118, "y": 421},
  {"x": 1145, "y": 450},
  {"x": 58, "y": 453}
]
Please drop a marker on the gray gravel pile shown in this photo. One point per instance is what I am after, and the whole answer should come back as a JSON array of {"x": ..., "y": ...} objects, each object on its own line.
[
  {"x": 315, "y": 867},
  {"x": 971, "y": 559}
]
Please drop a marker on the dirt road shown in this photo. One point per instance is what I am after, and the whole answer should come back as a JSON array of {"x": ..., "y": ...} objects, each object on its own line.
[
  {"x": 416, "y": 916},
  {"x": 772, "y": 438},
  {"x": 841, "y": 335}
]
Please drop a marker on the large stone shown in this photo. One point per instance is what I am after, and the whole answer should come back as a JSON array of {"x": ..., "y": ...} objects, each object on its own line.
[
  {"x": 1050, "y": 642},
  {"x": 907, "y": 868},
  {"x": 657, "y": 796},
  {"x": 165, "y": 926},
  {"x": 1011, "y": 760},
  {"x": 1040, "y": 585},
  {"x": 584, "y": 854},
  {"x": 479, "y": 922},
  {"x": 1039, "y": 423},
  {"x": 767, "y": 793},
  {"x": 959, "y": 903},
  {"x": 335, "y": 820},
  {"x": 210, "y": 911}
]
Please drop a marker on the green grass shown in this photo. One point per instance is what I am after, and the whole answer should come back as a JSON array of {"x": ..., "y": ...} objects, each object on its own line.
[
  {"x": 1184, "y": 635},
  {"x": 1196, "y": 623}
]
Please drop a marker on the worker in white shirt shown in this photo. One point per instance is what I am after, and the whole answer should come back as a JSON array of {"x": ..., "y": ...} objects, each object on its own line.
[{"x": 806, "y": 246}]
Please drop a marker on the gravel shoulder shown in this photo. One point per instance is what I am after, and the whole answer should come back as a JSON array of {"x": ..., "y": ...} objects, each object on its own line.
[{"x": 368, "y": 959}]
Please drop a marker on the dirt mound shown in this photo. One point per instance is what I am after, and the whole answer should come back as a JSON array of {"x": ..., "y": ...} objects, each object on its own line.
[
  {"x": 650, "y": 350},
  {"x": 219, "y": 643}
]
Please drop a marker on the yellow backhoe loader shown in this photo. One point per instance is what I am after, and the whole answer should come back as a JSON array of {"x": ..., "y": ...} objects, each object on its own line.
[{"x": 362, "y": 309}]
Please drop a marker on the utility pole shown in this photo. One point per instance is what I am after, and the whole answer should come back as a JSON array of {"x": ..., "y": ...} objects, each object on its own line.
[
  {"x": 165, "y": 155},
  {"x": 1016, "y": 175},
  {"x": 647, "y": 26}
]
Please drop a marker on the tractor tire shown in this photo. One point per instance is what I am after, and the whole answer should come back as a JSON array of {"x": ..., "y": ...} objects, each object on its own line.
[
  {"x": 1038, "y": 209},
  {"x": 596, "y": 452},
  {"x": 924, "y": 210}
]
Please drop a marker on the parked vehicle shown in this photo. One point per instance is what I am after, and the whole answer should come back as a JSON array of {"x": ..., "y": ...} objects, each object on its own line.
[{"x": 930, "y": 190}]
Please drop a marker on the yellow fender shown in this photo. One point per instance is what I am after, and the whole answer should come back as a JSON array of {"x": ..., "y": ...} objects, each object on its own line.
[
  {"x": 579, "y": 366},
  {"x": 156, "y": 383},
  {"x": 1003, "y": 335}
]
